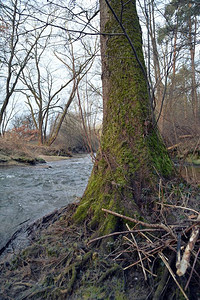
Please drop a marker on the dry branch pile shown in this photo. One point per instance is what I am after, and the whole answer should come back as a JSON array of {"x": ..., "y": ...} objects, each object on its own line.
[{"x": 155, "y": 239}]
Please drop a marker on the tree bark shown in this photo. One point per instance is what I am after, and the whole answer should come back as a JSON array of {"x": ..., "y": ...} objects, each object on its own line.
[{"x": 131, "y": 152}]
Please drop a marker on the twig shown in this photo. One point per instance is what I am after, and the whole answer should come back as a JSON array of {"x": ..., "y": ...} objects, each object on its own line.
[
  {"x": 120, "y": 253},
  {"x": 135, "y": 263},
  {"x": 141, "y": 250},
  {"x": 144, "y": 272},
  {"x": 162, "y": 226},
  {"x": 150, "y": 254},
  {"x": 196, "y": 256},
  {"x": 177, "y": 206},
  {"x": 23, "y": 222},
  {"x": 119, "y": 233},
  {"x": 154, "y": 275},
  {"x": 172, "y": 274},
  {"x": 27, "y": 284},
  {"x": 174, "y": 146},
  {"x": 184, "y": 264}
]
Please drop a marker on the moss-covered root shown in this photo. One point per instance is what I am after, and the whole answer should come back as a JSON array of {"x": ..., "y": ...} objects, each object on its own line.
[
  {"x": 61, "y": 290},
  {"x": 74, "y": 270},
  {"x": 110, "y": 272},
  {"x": 87, "y": 278}
]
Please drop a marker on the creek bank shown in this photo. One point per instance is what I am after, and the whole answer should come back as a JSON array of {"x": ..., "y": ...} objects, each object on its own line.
[
  {"x": 6, "y": 160},
  {"x": 25, "y": 235},
  {"x": 32, "y": 156},
  {"x": 60, "y": 263}
]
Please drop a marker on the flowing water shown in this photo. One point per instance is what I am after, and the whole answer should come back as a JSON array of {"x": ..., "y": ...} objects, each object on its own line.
[{"x": 28, "y": 193}]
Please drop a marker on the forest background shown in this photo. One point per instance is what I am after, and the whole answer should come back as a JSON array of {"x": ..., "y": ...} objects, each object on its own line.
[{"x": 50, "y": 79}]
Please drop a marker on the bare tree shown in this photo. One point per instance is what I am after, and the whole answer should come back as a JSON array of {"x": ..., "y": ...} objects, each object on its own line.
[
  {"x": 78, "y": 71},
  {"x": 15, "y": 56}
]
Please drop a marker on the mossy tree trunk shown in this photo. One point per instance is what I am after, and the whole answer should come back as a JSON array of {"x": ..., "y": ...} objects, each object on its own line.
[{"x": 131, "y": 154}]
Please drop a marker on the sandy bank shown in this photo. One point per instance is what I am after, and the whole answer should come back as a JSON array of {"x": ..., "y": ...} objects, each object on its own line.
[{"x": 49, "y": 158}]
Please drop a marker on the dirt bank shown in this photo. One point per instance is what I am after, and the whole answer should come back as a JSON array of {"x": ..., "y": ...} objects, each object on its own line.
[
  {"x": 49, "y": 158},
  {"x": 28, "y": 154}
]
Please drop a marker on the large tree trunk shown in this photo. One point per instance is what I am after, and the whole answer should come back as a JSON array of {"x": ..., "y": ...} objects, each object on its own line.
[{"x": 131, "y": 154}]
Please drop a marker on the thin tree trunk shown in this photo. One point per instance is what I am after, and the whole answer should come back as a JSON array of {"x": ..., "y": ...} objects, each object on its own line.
[
  {"x": 156, "y": 65},
  {"x": 62, "y": 117},
  {"x": 192, "y": 56}
]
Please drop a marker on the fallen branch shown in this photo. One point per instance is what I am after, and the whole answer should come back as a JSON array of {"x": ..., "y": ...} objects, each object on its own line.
[
  {"x": 161, "y": 226},
  {"x": 138, "y": 250},
  {"x": 162, "y": 284},
  {"x": 178, "y": 206},
  {"x": 184, "y": 263},
  {"x": 161, "y": 255},
  {"x": 196, "y": 256},
  {"x": 119, "y": 233},
  {"x": 172, "y": 274}
]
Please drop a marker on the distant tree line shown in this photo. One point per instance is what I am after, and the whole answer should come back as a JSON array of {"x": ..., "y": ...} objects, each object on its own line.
[{"x": 172, "y": 58}]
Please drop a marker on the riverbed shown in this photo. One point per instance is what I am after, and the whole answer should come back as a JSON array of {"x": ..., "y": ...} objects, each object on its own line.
[{"x": 28, "y": 193}]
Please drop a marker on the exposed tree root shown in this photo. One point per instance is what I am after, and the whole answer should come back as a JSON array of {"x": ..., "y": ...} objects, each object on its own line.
[
  {"x": 74, "y": 270},
  {"x": 109, "y": 272}
]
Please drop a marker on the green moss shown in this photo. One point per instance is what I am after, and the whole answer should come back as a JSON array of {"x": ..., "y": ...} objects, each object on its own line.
[
  {"x": 25, "y": 159},
  {"x": 53, "y": 251},
  {"x": 103, "y": 290},
  {"x": 40, "y": 160},
  {"x": 159, "y": 156}
]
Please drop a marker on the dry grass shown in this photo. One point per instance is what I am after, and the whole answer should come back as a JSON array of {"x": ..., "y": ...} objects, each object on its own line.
[{"x": 13, "y": 145}]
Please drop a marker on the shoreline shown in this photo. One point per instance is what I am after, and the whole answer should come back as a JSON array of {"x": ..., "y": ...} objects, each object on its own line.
[
  {"x": 24, "y": 235},
  {"x": 49, "y": 158},
  {"x": 25, "y": 161},
  {"x": 12, "y": 161}
]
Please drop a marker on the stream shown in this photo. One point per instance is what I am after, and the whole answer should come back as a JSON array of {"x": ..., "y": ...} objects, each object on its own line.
[{"x": 29, "y": 192}]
